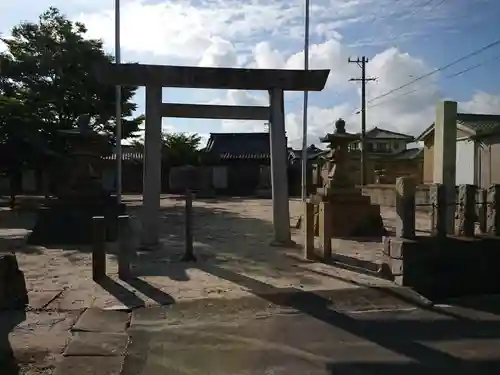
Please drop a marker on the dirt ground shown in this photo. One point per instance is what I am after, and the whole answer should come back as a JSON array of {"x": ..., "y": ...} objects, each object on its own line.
[
  {"x": 235, "y": 259},
  {"x": 231, "y": 235}
]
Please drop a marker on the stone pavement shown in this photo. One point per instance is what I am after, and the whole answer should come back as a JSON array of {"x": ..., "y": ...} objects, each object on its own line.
[
  {"x": 230, "y": 234},
  {"x": 370, "y": 331},
  {"x": 235, "y": 262}
]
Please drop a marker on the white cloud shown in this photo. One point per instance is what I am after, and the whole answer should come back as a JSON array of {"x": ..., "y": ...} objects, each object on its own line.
[
  {"x": 185, "y": 29},
  {"x": 241, "y": 97},
  {"x": 267, "y": 34},
  {"x": 220, "y": 53},
  {"x": 481, "y": 102}
]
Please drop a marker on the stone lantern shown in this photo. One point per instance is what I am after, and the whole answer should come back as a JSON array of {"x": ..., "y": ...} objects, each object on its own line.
[
  {"x": 80, "y": 195},
  {"x": 351, "y": 212}
]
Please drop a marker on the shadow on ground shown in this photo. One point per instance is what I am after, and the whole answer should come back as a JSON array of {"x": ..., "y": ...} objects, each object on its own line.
[
  {"x": 8, "y": 321},
  {"x": 240, "y": 242},
  {"x": 399, "y": 336}
]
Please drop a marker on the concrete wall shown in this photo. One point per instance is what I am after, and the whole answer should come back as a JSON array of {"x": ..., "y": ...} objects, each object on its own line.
[
  {"x": 429, "y": 156},
  {"x": 429, "y": 159},
  {"x": 385, "y": 195},
  {"x": 444, "y": 267},
  {"x": 489, "y": 161}
]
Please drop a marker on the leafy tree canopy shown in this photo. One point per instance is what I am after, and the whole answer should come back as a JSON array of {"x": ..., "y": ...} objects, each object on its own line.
[
  {"x": 178, "y": 148},
  {"x": 48, "y": 80}
]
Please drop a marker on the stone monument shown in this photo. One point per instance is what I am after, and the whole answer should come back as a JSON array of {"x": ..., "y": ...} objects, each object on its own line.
[
  {"x": 352, "y": 214},
  {"x": 80, "y": 196}
]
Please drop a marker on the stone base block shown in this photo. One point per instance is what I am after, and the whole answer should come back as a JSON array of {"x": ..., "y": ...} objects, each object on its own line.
[
  {"x": 445, "y": 266},
  {"x": 353, "y": 216},
  {"x": 13, "y": 293},
  {"x": 70, "y": 222}
]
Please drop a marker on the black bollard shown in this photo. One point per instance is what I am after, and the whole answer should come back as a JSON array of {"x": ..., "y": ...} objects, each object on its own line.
[
  {"x": 124, "y": 247},
  {"x": 98, "y": 247}
]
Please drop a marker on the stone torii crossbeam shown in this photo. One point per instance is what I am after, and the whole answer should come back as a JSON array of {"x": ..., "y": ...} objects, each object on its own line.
[{"x": 155, "y": 77}]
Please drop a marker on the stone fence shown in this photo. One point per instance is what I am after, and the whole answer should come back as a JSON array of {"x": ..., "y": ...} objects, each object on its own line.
[
  {"x": 454, "y": 258},
  {"x": 385, "y": 195}
]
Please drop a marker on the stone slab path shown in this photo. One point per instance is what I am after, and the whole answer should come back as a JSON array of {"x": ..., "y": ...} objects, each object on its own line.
[
  {"x": 97, "y": 345},
  {"x": 309, "y": 336}
]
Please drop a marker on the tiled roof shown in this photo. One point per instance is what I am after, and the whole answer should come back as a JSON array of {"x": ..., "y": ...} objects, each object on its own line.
[
  {"x": 231, "y": 146},
  {"x": 410, "y": 153},
  {"x": 312, "y": 152},
  {"x": 480, "y": 124},
  {"x": 477, "y": 124},
  {"x": 379, "y": 133}
]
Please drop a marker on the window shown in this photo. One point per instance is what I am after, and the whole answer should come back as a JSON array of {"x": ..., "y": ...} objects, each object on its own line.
[
  {"x": 369, "y": 147},
  {"x": 383, "y": 147},
  {"x": 395, "y": 146}
]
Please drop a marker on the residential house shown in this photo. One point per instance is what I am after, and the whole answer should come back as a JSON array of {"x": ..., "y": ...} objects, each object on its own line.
[
  {"x": 478, "y": 150},
  {"x": 295, "y": 168},
  {"x": 388, "y": 156}
]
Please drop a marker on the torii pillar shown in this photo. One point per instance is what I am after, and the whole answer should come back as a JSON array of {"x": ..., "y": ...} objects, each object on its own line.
[{"x": 154, "y": 77}]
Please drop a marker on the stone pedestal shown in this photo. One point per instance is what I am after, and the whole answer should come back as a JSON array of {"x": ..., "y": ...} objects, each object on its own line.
[
  {"x": 352, "y": 214},
  {"x": 13, "y": 293},
  {"x": 68, "y": 220}
]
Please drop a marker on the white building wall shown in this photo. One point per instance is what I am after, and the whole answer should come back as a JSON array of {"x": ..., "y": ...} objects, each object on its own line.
[{"x": 465, "y": 162}]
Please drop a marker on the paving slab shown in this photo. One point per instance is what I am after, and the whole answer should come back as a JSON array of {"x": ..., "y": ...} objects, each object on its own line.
[
  {"x": 40, "y": 299},
  {"x": 89, "y": 366},
  {"x": 318, "y": 340},
  {"x": 97, "y": 320},
  {"x": 283, "y": 301},
  {"x": 97, "y": 344}
]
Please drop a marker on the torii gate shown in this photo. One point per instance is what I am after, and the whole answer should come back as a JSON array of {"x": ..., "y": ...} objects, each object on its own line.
[{"x": 155, "y": 77}]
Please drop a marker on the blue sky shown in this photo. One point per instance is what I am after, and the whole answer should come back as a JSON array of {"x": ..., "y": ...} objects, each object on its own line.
[{"x": 403, "y": 39}]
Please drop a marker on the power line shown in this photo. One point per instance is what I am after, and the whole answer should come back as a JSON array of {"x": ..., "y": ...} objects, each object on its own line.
[
  {"x": 466, "y": 70},
  {"x": 454, "y": 62},
  {"x": 416, "y": 9},
  {"x": 362, "y": 64}
]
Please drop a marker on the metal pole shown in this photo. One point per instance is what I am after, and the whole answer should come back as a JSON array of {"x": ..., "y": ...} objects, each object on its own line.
[
  {"x": 118, "y": 113},
  {"x": 363, "y": 121},
  {"x": 304, "y": 112}
]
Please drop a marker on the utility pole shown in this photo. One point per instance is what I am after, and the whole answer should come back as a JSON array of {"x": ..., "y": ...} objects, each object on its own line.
[{"x": 362, "y": 64}]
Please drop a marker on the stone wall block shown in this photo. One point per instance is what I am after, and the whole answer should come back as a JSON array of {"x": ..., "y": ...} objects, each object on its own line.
[
  {"x": 493, "y": 210},
  {"x": 466, "y": 210},
  {"x": 405, "y": 207},
  {"x": 438, "y": 201}
]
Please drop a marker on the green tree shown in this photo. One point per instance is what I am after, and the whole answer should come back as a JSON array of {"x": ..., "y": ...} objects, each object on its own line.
[
  {"x": 181, "y": 148},
  {"x": 177, "y": 148},
  {"x": 49, "y": 68}
]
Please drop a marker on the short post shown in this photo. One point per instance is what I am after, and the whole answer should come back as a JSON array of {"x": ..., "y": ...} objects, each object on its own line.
[
  {"x": 188, "y": 228},
  {"x": 325, "y": 225},
  {"x": 405, "y": 207},
  {"x": 466, "y": 210},
  {"x": 493, "y": 215},
  {"x": 482, "y": 209},
  {"x": 124, "y": 247},
  {"x": 98, "y": 248},
  {"x": 439, "y": 202},
  {"x": 308, "y": 230}
]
